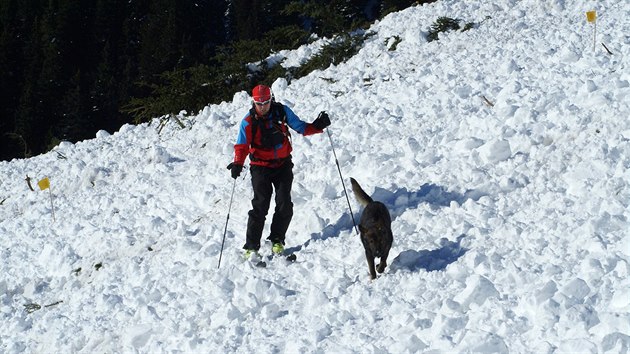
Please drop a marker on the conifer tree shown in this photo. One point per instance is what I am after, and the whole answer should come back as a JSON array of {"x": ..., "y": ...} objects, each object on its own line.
[{"x": 68, "y": 67}]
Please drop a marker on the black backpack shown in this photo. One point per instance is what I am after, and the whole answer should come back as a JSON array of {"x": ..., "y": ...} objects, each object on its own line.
[{"x": 275, "y": 134}]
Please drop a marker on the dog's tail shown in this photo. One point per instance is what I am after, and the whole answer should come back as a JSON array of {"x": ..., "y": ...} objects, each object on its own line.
[{"x": 359, "y": 193}]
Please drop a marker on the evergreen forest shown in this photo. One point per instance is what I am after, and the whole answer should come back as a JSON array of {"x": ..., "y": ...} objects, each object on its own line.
[{"x": 69, "y": 68}]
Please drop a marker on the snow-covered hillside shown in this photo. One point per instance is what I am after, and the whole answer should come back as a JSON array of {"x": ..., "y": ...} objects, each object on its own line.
[{"x": 502, "y": 153}]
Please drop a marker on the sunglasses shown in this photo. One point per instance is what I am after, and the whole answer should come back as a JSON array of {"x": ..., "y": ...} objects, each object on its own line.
[{"x": 263, "y": 103}]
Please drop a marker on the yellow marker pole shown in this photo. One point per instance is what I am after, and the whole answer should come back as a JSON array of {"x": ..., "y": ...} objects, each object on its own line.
[
  {"x": 591, "y": 17},
  {"x": 45, "y": 184},
  {"x": 52, "y": 206}
]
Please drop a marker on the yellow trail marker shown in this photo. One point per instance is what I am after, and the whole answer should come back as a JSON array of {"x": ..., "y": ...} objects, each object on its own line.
[
  {"x": 591, "y": 17},
  {"x": 44, "y": 183}
]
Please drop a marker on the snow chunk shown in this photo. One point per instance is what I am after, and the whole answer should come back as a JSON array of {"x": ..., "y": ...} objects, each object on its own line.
[
  {"x": 577, "y": 289},
  {"x": 138, "y": 336},
  {"x": 126, "y": 128},
  {"x": 495, "y": 151},
  {"x": 102, "y": 134},
  {"x": 279, "y": 86},
  {"x": 546, "y": 292},
  {"x": 620, "y": 300},
  {"x": 65, "y": 145},
  {"x": 465, "y": 145},
  {"x": 478, "y": 289}
]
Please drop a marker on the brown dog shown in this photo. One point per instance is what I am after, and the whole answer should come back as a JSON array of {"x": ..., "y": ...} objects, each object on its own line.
[{"x": 376, "y": 229}]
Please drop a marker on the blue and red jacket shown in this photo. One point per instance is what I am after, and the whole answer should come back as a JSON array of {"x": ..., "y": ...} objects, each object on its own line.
[{"x": 273, "y": 121}]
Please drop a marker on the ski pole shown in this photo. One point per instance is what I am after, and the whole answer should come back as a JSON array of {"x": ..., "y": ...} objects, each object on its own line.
[
  {"x": 343, "y": 184},
  {"x": 226, "y": 223}
]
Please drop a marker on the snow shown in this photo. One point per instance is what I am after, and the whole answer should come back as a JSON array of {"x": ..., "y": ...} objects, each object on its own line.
[{"x": 510, "y": 217}]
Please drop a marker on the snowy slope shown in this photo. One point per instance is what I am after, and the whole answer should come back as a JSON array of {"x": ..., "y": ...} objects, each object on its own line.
[{"x": 502, "y": 153}]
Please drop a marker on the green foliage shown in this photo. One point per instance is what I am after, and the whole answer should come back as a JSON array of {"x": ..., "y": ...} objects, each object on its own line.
[
  {"x": 286, "y": 37},
  {"x": 442, "y": 24},
  {"x": 327, "y": 18},
  {"x": 468, "y": 26},
  {"x": 70, "y": 68},
  {"x": 52, "y": 142},
  {"x": 184, "y": 89},
  {"x": 32, "y": 307},
  {"x": 389, "y": 6},
  {"x": 395, "y": 40},
  {"x": 341, "y": 49},
  {"x": 324, "y": 21},
  {"x": 193, "y": 88}
]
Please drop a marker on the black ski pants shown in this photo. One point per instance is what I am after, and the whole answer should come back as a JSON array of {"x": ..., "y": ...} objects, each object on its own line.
[{"x": 264, "y": 181}]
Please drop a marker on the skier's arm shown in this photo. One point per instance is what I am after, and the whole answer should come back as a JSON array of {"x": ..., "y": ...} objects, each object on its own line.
[
  {"x": 299, "y": 125},
  {"x": 241, "y": 148}
]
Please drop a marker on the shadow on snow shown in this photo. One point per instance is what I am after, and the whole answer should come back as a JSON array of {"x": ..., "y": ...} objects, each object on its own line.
[
  {"x": 397, "y": 202},
  {"x": 434, "y": 195},
  {"x": 449, "y": 252}
]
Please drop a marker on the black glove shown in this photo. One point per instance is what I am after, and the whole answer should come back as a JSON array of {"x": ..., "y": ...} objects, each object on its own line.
[
  {"x": 322, "y": 121},
  {"x": 236, "y": 169}
]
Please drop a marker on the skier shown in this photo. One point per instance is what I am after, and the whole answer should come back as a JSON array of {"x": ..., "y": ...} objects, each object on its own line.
[{"x": 265, "y": 137}]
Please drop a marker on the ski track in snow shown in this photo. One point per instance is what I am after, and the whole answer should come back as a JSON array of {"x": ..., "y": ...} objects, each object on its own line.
[{"x": 510, "y": 221}]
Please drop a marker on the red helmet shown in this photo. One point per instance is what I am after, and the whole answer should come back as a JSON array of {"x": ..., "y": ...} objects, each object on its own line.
[{"x": 261, "y": 93}]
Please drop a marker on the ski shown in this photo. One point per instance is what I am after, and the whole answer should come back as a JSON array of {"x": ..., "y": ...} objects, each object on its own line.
[
  {"x": 264, "y": 260},
  {"x": 290, "y": 258}
]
